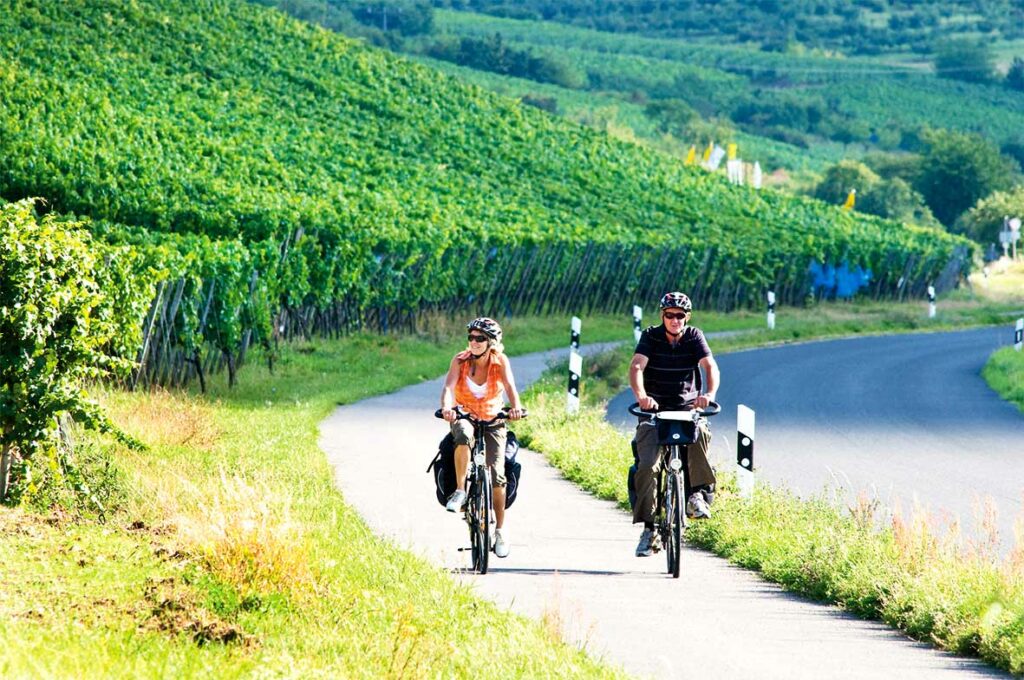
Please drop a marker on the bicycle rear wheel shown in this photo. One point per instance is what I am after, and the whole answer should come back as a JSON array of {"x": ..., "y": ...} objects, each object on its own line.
[{"x": 674, "y": 517}]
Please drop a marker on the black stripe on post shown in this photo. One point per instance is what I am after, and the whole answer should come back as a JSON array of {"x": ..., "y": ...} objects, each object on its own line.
[
  {"x": 745, "y": 452},
  {"x": 572, "y": 404},
  {"x": 1018, "y": 334},
  {"x": 745, "y": 449}
]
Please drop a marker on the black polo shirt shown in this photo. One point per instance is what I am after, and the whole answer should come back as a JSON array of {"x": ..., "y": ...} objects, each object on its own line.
[{"x": 672, "y": 376}]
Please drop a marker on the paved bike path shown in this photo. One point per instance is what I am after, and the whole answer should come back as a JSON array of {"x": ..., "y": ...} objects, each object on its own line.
[
  {"x": 908, "y": 419},
  {"x": 572, "y": 563}
]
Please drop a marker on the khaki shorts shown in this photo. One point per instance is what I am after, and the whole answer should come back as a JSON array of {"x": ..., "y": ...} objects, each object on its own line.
[
  {"x": 494, "y": 445},
  {"x": 648, "y": 453}
]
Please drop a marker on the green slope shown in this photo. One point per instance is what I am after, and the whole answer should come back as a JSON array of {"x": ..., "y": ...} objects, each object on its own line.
[{"x": 226, "y": 120}]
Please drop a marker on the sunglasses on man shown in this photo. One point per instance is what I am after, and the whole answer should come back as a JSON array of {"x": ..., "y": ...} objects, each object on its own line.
[
  {"x": 477, "y": 338},
  {"x": 674, "y": 315}
]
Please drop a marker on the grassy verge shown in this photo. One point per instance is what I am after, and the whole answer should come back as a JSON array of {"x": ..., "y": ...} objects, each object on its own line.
[
  {"x": 1004, "y": 372},
  {"x": 227, "y": 552},
  {"x": 958, "y": 596}
]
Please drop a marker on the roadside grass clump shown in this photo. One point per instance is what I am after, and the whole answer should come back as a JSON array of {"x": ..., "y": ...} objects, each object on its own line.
[
  {"x": 1004, "y": 372},
  {"x": 244, "y": 532},
  {"x": 917, "y": 574}
]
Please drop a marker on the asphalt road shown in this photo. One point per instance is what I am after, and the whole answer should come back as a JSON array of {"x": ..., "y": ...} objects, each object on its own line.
[
  {"x": 907, "y": 419},
  {"x": 572, "y": 563}
]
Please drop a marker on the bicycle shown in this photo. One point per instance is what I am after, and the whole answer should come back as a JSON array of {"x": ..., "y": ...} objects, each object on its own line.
[
  {"x": 479, "y": 511},
  {"x": 676, "y": 430}
]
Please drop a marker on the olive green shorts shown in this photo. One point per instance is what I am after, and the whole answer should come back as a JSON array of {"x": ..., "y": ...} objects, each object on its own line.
[{"x": 494, "y": 445}]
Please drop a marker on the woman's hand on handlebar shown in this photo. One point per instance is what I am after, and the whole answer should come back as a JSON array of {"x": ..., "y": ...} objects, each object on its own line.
[
  {"x": 449, "y": 414},
  {"x": 648, "y": 404},
  {"x": 516, "y": 412}
]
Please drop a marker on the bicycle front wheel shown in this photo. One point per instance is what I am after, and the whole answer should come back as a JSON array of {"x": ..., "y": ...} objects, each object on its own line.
[
  {"x": 674, "y": 516},
  {"x": 482, "y": 523}
]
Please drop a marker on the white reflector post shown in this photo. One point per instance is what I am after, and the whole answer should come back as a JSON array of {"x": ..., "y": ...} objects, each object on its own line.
[
  {"x": 771, "y": 310},
  {"x": 572, "y": 405},
  {"x": 574, "y": 332},
  {"x": 638, "y": 315},
  {"x": 745, "y": 450},
  {"x": 931, "y": 302},
  {"x": 1018, "y": 335}
]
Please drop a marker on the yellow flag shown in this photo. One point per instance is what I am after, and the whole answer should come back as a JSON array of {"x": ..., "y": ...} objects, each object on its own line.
[
  {"x": 732, "y": 151},
  {"x": 850, "y": 200},
  {"x": 707, "y": 151},
  {"x": 691, "y": 156}
]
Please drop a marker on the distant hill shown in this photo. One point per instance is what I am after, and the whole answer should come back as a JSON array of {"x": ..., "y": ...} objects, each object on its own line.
[{"x": 855, "y": 26}]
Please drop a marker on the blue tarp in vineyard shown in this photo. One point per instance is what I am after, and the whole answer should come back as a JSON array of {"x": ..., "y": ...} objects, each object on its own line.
[{"x": 837, "y": 282}]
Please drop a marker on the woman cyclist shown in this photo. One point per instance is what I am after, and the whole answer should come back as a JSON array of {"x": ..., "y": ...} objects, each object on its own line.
[{"x": 476, "y": 379}]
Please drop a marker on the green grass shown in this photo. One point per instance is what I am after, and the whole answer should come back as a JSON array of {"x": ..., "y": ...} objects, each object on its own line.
[
  {"x": 958, "y": 596},
  {"x": 231, "y": 553},
  {"x": 228, "y": 552},
  {"x": 1004, "y": 372}
]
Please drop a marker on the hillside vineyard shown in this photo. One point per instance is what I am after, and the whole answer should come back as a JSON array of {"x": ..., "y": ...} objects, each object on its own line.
[{"x": 250, "y": 176}]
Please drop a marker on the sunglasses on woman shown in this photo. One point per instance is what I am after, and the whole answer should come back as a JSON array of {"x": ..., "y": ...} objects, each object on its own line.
[
  {"x": 674, "y": 315},
  {"x": 477, "y": 338}
]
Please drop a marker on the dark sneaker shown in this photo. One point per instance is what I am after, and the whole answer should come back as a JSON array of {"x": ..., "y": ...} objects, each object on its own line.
[
  {"x": 697, "y": 507},
  {"x": 456, "y": 501},
  {"x": 645, "y": 548}
]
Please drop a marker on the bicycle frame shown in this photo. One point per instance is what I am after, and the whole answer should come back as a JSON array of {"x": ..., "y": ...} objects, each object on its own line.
[
  {"x": 674, "y": 477},
  {"x": 479, "y": 512}
]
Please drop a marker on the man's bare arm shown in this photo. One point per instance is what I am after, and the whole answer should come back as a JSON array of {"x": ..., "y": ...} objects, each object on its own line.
[
  {"x": 711, "y": 373},
  {"x": 636, "y": 382}
]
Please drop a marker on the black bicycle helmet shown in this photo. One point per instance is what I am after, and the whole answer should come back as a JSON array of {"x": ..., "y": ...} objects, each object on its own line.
[
  {"x": 676, "y": 300},
  {"x": 488, "y": 327}
]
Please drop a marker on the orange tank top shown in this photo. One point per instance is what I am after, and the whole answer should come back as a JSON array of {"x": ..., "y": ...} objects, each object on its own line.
[{"x": 487, "y": 405}]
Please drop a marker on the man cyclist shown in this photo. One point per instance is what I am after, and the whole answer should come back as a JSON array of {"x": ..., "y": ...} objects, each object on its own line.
[
  {"x": 477, "y": 378},
  {"x": 664, "y": 375}
]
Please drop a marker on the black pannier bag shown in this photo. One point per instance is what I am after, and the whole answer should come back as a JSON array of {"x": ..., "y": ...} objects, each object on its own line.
[
  {"x": 630, "y": 482},
  {"x": 442, "y": 469}
]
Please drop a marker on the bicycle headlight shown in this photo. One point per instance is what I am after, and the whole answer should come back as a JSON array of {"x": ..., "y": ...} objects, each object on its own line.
[
  {"x": 479, "y": 459},
  {"x": 676, "y": 464}
]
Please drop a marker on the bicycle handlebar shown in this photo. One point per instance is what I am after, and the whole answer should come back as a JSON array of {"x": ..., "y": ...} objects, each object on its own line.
[
  {"x": 713, "y": 409},
  {"x": 465, "y": 415}
]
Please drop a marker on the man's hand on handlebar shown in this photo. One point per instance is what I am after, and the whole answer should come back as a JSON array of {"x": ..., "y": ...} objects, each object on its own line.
[
  {"x": 648, "y": 403},
  {"x": 449, "y": 414},
  {"x": 516, "y": 412},
  {"x": 703, "y": 401}
]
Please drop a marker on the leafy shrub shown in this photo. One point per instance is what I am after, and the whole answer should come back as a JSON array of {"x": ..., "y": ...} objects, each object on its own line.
[
  {"x": 53, "y": 334},
  {"x": 984, "y": 220}
]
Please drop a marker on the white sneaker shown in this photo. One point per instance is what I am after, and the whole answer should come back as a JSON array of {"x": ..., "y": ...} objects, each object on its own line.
[
  {"x": 500, "y": 544},
  {"x": 697, "y": 507},
  {"x": 456, "y": 501}
]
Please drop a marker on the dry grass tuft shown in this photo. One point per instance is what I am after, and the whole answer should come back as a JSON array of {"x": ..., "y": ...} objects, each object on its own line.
[
  {"x": 244, "y": 533},
  {"x": 164, "y": 418}
]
